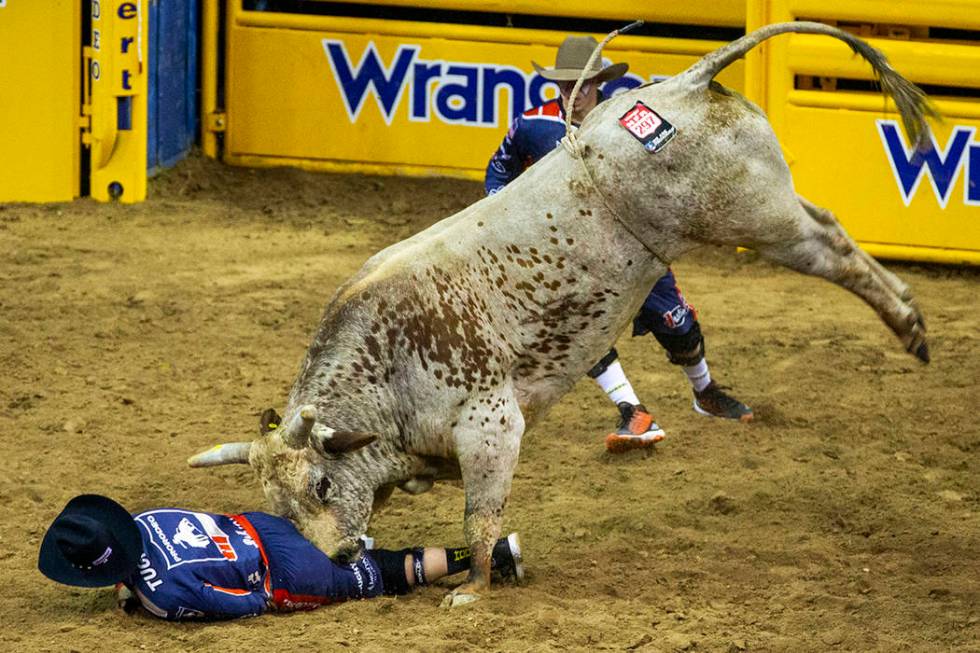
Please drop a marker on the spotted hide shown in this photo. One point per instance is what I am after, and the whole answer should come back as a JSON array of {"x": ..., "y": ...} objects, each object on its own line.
[{"x": 432, "y": 361}]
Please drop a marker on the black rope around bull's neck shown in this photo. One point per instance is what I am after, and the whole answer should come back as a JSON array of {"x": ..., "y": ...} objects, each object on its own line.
[{"x": 570, "y": 142}]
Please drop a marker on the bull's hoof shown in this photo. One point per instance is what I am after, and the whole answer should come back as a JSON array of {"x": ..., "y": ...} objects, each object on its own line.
[
  {"x": 456, "y": 599},
  {"x": 922, "y": 352}
]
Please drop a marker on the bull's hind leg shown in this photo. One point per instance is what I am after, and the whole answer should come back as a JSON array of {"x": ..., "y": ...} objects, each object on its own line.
[
  {"x": 822, "y": 248},
  {"x": 825, "y": 218},
  {"x": 488, "y": 441}
]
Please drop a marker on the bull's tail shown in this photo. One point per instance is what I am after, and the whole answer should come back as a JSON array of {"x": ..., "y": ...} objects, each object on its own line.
[{"x": 911, "y": 101}]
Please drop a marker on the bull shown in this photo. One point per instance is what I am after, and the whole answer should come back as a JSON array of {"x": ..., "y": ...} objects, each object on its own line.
[{"x": 433, "y": 359}]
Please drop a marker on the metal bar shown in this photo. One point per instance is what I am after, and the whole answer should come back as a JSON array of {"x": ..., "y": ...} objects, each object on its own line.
[
  {"x": 876, "y": 103},
  {"x": 325, "y": 165},
  {"x": 458, "y": 32},
  {"x": 960, "y": 14},
  {"x": 922, "y": 62},
  {"x": 209, "y": 74},
  {"x": 929, "y": 254},
  {"x": 729, "y": 13}
]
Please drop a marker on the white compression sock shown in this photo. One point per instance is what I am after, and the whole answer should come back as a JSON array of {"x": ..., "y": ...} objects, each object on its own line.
[
  {"x": 615, "y": 384},
  {"x": 698, "y": 375}
]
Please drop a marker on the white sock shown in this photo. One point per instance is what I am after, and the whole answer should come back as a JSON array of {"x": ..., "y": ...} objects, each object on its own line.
[
  {"x": 698, "y": 375},
  {"x": 615, "y": 384}
]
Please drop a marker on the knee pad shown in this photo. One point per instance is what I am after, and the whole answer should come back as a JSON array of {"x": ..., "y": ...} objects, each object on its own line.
[
  {"x": 683, "y": 349},
  {"x": 392, "y": 566},
  {"x": 603, "y": 363}
]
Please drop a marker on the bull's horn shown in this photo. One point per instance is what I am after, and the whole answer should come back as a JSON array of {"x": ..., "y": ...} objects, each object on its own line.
[
  {"x": 297, "y": 432},
  {"x": 222, "y": 454},
  {"x": 328, "y": 440}
]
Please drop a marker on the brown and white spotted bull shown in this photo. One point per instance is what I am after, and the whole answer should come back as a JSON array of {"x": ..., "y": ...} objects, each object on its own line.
[{"x": 445, "y": 347}]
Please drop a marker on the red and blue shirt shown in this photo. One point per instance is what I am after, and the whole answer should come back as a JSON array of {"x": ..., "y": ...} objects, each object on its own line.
[
  {"x": 532, "y": 135},
  {"x": 198, "y": 565}
]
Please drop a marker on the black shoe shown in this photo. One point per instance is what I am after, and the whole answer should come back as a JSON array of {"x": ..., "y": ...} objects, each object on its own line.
[
  {"x": 714, "y": 402},
  {"x": 506, "y": 559}
]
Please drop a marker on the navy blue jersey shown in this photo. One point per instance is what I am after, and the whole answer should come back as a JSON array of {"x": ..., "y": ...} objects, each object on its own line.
[
  {"x": 532, "y": 135},
  {"x": 198, "y": 565}
]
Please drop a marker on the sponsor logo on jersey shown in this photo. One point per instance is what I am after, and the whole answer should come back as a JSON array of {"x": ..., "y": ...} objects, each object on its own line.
[
  {"x": 372, "y": 577},
  {"x": 187, "y": 613},
  {"x": 149, "y": 574},
  {"x": 162, "y": 539},
  {"x": 358, "y": 569},
  {"x": 358, "y": 577},
  {"x": 941, "y": 165},
  {"x": 676, "y": 316},
  {"x": 196, "y": 537},
  {"x": 189, "y": 535},
  {"x": 452, "y": 92}
]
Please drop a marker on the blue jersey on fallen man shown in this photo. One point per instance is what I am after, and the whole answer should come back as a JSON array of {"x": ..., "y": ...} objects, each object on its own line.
[
  {"x": 197, "y": 564},
  {"x": 184, "y": 564}
]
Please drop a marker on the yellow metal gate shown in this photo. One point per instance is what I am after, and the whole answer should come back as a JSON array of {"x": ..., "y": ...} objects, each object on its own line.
[
  {"x": 397, "y": 96},
  {"x": 846, "y": 147}
]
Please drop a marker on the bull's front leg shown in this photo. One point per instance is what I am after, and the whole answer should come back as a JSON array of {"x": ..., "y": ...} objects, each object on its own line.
[{"x": 488, "y": 442}]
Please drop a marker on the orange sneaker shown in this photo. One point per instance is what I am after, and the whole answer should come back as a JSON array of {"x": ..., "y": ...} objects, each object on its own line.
[{"x": 637, "y": 429}]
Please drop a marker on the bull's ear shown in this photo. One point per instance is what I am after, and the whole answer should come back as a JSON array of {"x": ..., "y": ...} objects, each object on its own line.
[
  {"x": 328, "y": 440},
  {"x": 269, "y": 421}
]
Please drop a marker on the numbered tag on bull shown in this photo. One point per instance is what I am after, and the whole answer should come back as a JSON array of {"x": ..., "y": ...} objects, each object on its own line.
[{"x": 648, "y": 127}]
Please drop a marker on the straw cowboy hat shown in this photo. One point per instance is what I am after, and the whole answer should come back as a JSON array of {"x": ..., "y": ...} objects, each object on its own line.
[{"x": 573, "y": 55}]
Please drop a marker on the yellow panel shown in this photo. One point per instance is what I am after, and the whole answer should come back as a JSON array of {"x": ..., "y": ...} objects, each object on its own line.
[
  {"x": 846, "y": 150},
  {"x": 693, "y": 12},
  {"x": 843, "y": 161},
  {"x": 285, "y": 100},
  {"x": 40, "y": 105}
]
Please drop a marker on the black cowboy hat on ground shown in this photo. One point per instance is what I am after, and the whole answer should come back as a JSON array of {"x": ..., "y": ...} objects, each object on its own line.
[
  {"x": 573, "y": 55},
  {"x": 94, "y": 542}
]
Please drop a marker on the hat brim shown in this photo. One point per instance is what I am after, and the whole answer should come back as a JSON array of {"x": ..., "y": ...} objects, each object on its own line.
[
  {"x": 609, "y": 73},
  {"x": 53, "y": 564}
]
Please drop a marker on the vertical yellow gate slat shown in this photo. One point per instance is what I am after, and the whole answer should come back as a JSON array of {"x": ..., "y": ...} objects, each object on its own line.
[{"x": 119, "y": 72}]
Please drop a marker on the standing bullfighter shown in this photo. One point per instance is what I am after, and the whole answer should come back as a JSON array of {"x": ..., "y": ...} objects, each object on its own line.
[{"x": 665, "y": 313}]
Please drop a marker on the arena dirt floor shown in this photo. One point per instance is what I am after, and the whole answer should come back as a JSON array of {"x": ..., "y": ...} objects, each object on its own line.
[{"x": 845, "y": 518}]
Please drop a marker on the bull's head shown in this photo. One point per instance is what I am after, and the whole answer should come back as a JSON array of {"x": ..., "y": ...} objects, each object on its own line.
[{"x": 309, "y": 474}]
